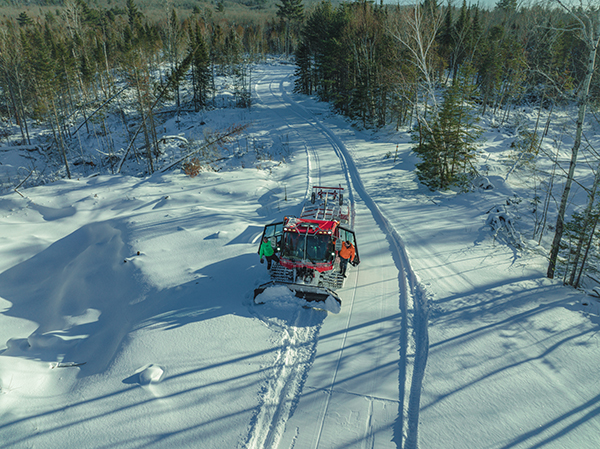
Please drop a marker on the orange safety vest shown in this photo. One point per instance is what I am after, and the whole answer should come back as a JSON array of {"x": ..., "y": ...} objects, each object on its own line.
[{"x": 347, "y": 252}]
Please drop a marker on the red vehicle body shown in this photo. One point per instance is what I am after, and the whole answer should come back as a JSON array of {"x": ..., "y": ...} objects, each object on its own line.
[{"x": 308, "y": 246}]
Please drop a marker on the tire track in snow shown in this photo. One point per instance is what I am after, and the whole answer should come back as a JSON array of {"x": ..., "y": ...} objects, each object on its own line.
[
  {"x": 312, "y": 156},
  {"x": 298, "y": 343},
  {"x": 412, "y": 301}
]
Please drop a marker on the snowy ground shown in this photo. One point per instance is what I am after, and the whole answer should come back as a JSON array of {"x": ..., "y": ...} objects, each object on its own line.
[{"x": 127, "y": 321}]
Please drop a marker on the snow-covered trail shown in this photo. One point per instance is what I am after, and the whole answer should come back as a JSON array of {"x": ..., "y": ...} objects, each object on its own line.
[{"x": 361, "y": 380}]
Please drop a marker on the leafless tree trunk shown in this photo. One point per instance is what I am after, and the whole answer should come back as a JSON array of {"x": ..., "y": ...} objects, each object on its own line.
[
  {"x": 590, "y": 34},
  {"x": 11, "y": 62},
  {"x": 58, "y": 136},
  {"x": 416, "y": 29},
  {"x": 587, "y": 250},
  {"x": 587, "y": 221},
  {"x": 145, "y": 125}
]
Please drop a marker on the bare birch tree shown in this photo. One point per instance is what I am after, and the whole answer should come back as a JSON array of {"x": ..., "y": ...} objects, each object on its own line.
[
  {"x": 588, "y": 19},
  {"x": 415, "y": 28},
  {"x": 586, "y": 231}
]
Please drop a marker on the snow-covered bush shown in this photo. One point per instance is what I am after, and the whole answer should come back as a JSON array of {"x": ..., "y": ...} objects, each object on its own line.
[{"x": 502, "y": 222}]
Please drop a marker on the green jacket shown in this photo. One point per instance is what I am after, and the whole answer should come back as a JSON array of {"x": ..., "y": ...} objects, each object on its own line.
[{"x": 266, "y": 249}]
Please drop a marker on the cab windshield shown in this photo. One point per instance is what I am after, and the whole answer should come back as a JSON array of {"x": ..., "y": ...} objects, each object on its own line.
[{"x": 315, "y": 247}]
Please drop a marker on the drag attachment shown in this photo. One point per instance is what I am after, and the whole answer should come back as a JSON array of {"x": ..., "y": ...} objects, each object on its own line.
[{"x": 313, "y": 296}]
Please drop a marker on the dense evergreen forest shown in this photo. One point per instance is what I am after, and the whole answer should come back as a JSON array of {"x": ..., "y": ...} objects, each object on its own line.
[
  {"x": 437, "y": 67},
  {"x": 430, "y": 68},
  {"x": 433, "y": 67}
]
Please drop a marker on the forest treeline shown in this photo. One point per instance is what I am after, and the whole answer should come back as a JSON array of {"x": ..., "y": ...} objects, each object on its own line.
[
  {"x": 436, "y": 68},
  {"x": 74, "y": 58},
  {"x": 432, "y": 68},
  {"x": 374, "y": 62},
  {"x": 378, "y": 64}
]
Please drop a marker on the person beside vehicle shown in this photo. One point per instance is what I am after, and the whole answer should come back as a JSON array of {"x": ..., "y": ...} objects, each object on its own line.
[
  {"x": 347, "y": 253},
  {"x": 266, "y": 250}
]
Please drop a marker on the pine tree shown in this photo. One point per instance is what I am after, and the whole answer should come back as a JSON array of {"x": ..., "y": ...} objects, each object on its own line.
[
  {"x": 200, "y": 69},
  {"x": 290, "y": 11},
  {"x": 23, "y": 19},
  {"x": 447, "y": 143}
]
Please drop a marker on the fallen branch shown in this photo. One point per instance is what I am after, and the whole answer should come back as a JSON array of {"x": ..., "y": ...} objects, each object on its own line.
[
  {"x": 164, "y": 139},
  {"x": 98, "y": 109},
  {"x": 23, "y": 182},
  {"x": 182, "y": 67},
  {"x": 21, "y": 147},
  {"x": 234, "y": 130},
  {"x": 68, "y": 364}
]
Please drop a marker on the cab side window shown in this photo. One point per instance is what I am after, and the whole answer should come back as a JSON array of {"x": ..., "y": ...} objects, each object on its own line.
[
  {"x": 345, "y": 235},
  {"x": 273, "y": 231}
]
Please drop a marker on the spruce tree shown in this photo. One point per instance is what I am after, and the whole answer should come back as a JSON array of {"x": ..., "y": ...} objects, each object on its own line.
[
  {"x": 172, "y": 36},
  {"x": 447, "y": 144},
  {"x": 13, "y": 79},
  {"x": 304, "y": 76},
  {"x": 23, "y": 19},
  {"x": 200, "y": 70},
  {"x": 290, "y": 11},
  {"x": 489, "y": 66},
  {"x": 134, "y": 15},
  {"x": 446, "y": 38},
  {"x": 508, "y": 6},
  {"x": 462, "y": 38}
]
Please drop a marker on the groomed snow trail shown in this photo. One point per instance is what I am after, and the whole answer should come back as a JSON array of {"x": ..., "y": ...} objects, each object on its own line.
[
  {"x": 298, "y": 335},
  {"x": 368, "y": 362}
]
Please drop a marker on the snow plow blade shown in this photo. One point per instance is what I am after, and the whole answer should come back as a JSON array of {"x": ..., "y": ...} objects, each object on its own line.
[{"x": 317, "y": 297}]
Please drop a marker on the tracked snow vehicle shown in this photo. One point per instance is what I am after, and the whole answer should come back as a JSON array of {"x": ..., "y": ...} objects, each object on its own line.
[{"x": 308, "y": 247}]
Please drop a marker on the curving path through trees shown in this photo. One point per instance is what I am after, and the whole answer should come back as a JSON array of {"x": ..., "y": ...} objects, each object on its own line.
[{"x": 356, "y": 376}]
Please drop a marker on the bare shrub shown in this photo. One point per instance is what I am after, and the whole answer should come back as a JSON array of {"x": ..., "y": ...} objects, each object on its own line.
[{"x": 192, "y": 167}]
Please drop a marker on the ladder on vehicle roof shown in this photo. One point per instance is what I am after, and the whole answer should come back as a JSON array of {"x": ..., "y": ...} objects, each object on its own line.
[{"x": 326, "y": 204}]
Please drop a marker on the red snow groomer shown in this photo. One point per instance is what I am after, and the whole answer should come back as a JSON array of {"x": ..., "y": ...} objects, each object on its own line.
[{"x": 308, "y": 247}]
